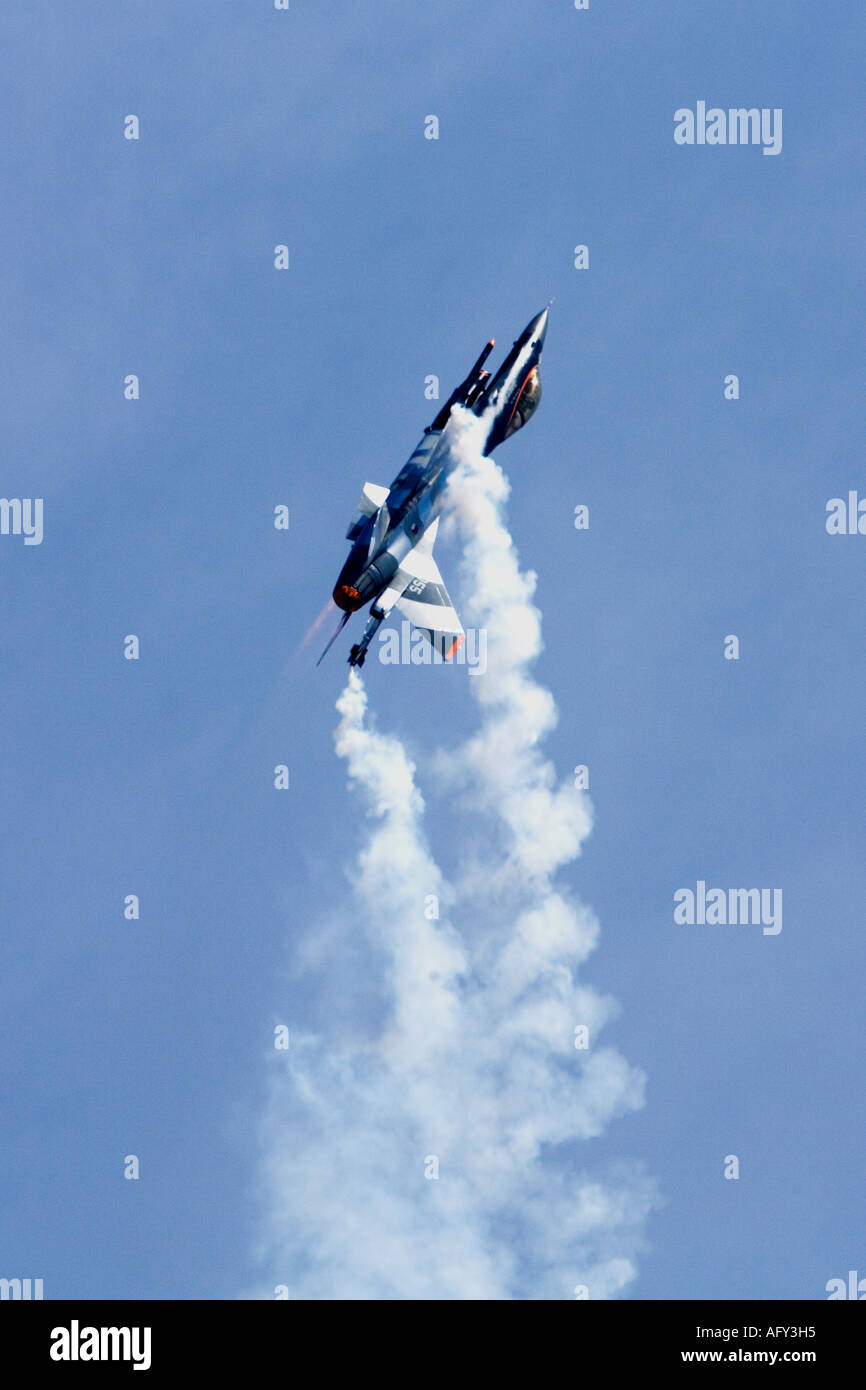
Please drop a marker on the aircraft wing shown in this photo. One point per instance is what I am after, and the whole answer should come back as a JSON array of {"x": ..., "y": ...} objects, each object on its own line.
[{"x": 424, "y": 600}]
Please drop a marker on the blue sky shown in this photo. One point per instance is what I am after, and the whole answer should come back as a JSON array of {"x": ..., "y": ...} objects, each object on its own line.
[{"x": 260, "y": 387}]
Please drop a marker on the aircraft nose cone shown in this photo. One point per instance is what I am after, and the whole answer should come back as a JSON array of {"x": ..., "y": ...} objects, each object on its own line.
[{"x": 538, "y": 327}]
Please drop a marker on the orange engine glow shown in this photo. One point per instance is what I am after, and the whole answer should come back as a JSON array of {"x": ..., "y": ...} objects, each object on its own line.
[{"x": 346, "y": 598}]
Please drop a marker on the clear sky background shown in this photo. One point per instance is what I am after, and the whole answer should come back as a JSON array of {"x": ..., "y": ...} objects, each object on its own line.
[{"x": 259, "y": 387}]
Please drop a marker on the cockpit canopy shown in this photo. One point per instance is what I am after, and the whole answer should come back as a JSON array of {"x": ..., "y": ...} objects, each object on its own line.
[{"x": 527, "y": 403}]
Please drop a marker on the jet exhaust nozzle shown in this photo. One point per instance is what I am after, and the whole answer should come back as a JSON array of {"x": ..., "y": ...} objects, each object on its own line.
[{"x": 347, "y": 598}]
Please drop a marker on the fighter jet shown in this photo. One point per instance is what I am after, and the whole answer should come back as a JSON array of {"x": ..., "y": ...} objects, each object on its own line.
[{"x": 394, "y": 528}]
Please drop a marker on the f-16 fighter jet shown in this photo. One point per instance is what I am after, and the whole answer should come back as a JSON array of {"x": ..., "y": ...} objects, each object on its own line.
[{"x": 391, "y": 561}]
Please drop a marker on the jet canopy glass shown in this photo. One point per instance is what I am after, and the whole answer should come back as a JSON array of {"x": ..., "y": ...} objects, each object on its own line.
[{"x": 527, "y": 403}]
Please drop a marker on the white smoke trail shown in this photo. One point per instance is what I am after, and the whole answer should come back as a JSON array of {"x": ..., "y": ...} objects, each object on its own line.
[
  {"x": 546, "y": 825},
  {"x": 432, "y": 1153}
]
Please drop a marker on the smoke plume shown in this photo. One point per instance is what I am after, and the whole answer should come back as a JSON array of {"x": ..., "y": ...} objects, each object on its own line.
[{"x": 433, "y": 1145}]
